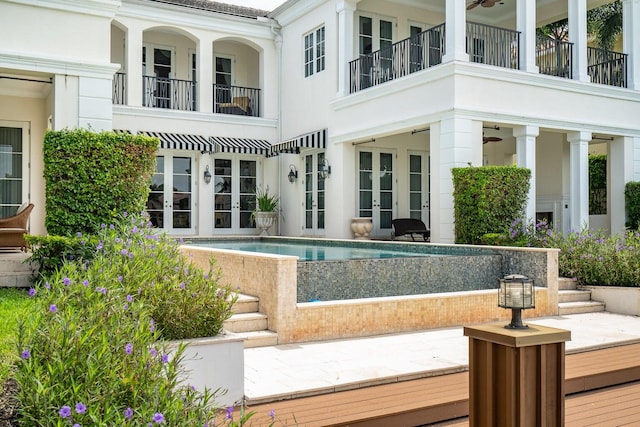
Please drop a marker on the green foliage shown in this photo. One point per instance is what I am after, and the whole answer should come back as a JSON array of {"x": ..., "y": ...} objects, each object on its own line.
[
  {"x": 92, "y": 176},
  {"x": 632, "y": 202},
  {"x": 50, "y": 252},
  {"x": 604, "y": 24},
  {"x": 266, "y": 202},
  {"x": 597, "y": 184},
  {"x": 488, "y": 199},
  {"x": 14, "y": 304},
  {"x": 97, "y": 330}
]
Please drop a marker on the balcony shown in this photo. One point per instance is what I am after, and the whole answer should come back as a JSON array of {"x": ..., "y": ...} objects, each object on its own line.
[
  {"x": 607, "y": 67},
  {"x": 553, "y": 57},
  {"x": 237, "y": 100},
  {"x": 119, "y": 89},
  {"x": 485, "y": 44},
  {"x": 174, "y": 94}
]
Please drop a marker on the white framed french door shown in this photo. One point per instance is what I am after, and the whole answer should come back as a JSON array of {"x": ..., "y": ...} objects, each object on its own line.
[
  {"x": 234, "y": 195},
  {"x": 419, "y": 195},
  {"x": 376, "y": 184},
  {"x": 157, "y": 68},
  {"x": 314, "y": 196},
  {"x": 171, "y": 203},
  {"x": 14, "y": 166}
]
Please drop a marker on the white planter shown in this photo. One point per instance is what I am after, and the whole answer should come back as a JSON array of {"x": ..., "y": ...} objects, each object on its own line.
[
  {"x": 264, "y": 221},
  {"x": 216, "y": 363},
  {"x": 620, "y": 300},
  {"x": 361, "y": 227}
]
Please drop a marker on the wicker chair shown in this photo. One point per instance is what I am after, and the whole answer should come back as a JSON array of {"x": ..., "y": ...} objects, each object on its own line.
[{"x": 13, "y": 229}]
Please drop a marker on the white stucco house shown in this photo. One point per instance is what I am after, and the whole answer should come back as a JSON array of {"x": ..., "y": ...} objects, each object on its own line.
[{"x": 345, "y": 108}]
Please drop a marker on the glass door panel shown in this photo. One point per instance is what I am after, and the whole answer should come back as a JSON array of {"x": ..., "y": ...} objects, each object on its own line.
[
  {"x": 11, "y": 170},
  {"x": 376, "y": 183},
  {"x": 314, "y": 195},
  {"x": 419, "y": 187},
  {"x": 156, "y": 199},
  {"x": 182, "y": 192},
  {"x": 234, "y": 195}
]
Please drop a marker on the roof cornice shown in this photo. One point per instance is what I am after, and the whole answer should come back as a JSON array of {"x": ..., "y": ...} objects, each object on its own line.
[{"x": 104, "y": 8}]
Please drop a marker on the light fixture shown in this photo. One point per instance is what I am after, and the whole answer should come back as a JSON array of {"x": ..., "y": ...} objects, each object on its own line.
[
  {"x": 293, "y": 174},
  {"x": 324, "y": 169},
  {"x": 207, "y": 175},
  {"x": 517, "y": 293}
]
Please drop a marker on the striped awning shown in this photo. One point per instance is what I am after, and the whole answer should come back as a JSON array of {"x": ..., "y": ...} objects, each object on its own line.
[
  {"x": 315, "y": 139},
  {"x": 240, "y": 145},
  {"x": 176, "y": 141}
]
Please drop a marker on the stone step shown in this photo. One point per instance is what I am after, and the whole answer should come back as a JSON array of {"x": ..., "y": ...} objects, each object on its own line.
[
  {"x": 574, "y": 296},
  {"x": 14, "y": 262},
  {"x": 246, "y": 304},
  {"x": 246, "y": 322},
  {"x": 259, "y": 338},
  {"x": 580, "y": 307},
  {"x": 16, "y": 279},
  {"x": 566, "y": 284}
]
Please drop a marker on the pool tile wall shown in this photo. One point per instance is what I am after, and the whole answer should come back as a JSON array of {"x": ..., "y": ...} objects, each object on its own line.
[{"x": 273, "y": 279}]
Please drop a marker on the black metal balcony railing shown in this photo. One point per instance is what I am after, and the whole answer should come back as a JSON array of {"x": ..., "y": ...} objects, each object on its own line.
[
  {"x": 607, "y": 67},
  {"x": 241, "y": 101},
  {"x": 554, "y": 57},
  {"x": 119, "y": 89},
  {"x": 160, "y": 92},
  {"x": 485, "y": 44}
]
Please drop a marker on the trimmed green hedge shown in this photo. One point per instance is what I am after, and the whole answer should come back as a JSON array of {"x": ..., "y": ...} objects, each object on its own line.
[
  {"x": 632, "y": 201},
  {"x": 91, "y": 177},
  {"x": 597, "y": 184},
  {"x": 488, "y": 199}
]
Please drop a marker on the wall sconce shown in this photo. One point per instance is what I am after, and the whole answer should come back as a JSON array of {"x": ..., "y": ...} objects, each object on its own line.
[
  {"x": 207, "y": 175},
  {"x": 324, "y": 169},
  {"x": 517, "y": 293},
  {"x": 293, "y": 174}
]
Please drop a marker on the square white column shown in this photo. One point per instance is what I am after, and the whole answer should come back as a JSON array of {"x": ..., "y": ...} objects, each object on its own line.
[
  {"x": 204, "y": 68},
  {"x": 619, "y": 172},
  {"x": 345, "y": 10},
  {"x": 579, "y": 179},
  {"x": 578, "y": 36},
  {"x": 526, "y": 158},
  {"x": 631, "y": 40},
  {"x": 134, "y": 66},
  {"x": 456, "y": 32},
  {"x": 526, "y": 24}
]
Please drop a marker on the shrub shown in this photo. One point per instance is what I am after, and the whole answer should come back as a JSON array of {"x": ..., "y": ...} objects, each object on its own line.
[
  {"x": 487, "y": 199},
  {"x": 90, "y": 177},
  {"x": 94, "y": 353},
  {"x": 632, "y": 202},
  {"x": 51, "y": 252}
]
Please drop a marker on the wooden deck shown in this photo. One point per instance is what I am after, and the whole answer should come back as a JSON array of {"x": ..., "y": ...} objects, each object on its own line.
[{"x": 438, "y": 399}]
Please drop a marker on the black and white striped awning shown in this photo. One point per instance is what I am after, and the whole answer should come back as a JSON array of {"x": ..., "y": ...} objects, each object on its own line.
[
  {"x": 176, "y": 141},
  {"x": 317, "y": 139},
  {"x": 240, "y": 145}
]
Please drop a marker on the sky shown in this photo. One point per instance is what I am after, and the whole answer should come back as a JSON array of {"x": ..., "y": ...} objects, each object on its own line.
[{"x": 257, "y": 4}]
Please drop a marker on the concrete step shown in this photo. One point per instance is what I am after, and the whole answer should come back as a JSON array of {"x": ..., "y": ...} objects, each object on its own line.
[
  {"x": 14, "y": 262},
  {"x": 574, "y": 296},
  {"x": 246, "y": 322},
  {"x": 566, "y": 284},
  {"x": 259, "y": 338},
  {"x": 580, "y": 307},
  {"x": 16, "y": 279},
  {"x": 246, "y": 304}
]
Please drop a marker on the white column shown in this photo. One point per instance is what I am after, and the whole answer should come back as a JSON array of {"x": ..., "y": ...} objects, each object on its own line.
[
  {"x": 526, "y": 24},
  {"x": 526, "y": 158},
  {"x": 134, "y": 66},
  {"x": 579, "y": 179},
  {"x": 65, "y": 102},
  {"x": 619, "y": 172},
  {"x": 454, "y": 143},
  {"x": 455, "y": 26},
  {"x": 636, "y": 158},
  {"x": 578, "y": 36},
  {"x": 631, "y": 40},
  {"x": 345, "y": 10},
  {"x": 204, "y": 57}
]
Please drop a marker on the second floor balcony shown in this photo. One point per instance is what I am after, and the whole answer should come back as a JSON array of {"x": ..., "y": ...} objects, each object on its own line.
[{"x": 487, "y": 45}]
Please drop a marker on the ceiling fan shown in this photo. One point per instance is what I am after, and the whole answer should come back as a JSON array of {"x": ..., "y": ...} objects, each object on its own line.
[
  {"x": 486, "y": 139},
  {"x": 483, "y": 3}
]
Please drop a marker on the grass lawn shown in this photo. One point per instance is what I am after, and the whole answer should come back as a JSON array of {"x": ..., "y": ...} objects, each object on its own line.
[{"x": 13, "y": 302}]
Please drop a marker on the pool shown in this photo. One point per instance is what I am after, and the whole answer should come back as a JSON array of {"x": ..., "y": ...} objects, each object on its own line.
[{"x": 312, "y": 252}]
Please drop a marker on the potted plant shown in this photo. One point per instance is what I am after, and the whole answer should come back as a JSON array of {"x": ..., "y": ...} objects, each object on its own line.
[{"x": 266, "y": 211}]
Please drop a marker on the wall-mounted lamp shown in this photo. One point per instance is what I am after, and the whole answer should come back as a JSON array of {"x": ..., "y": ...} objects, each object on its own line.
[
  {"x": 324, "y": 169},
  {"x": 517, "y": 293},
  {"x": 207, "y": 175},
  {"x": 293, "y": 174}
]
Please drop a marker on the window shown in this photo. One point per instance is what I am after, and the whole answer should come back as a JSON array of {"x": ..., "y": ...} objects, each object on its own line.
[{"x": 314, "y": 52}]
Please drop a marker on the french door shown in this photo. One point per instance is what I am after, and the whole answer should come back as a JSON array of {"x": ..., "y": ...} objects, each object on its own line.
[
  {"x": 14, "y": 164},
  {"x": 419, "y": 196},
  {"x": 157, "y": 67},
  {"x": 376, "y": 183},
  {"x": 314, "y": 195},
  {"x": 171, "y": 200},
  {"x": 234, "y": 195}
]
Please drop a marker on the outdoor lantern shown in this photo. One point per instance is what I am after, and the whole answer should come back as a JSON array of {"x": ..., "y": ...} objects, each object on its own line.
[
  {"x": 324, "y": 169},
  {"x": 293, "y": 174},
  {"x": 207, "y": 175},
  {"x": 517, "y": 293}
]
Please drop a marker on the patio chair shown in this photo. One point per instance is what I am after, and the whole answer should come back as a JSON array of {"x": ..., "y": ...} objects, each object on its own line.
[
  {"x": 411, "y": 227},
  {"x": 13, "y": 229}
]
